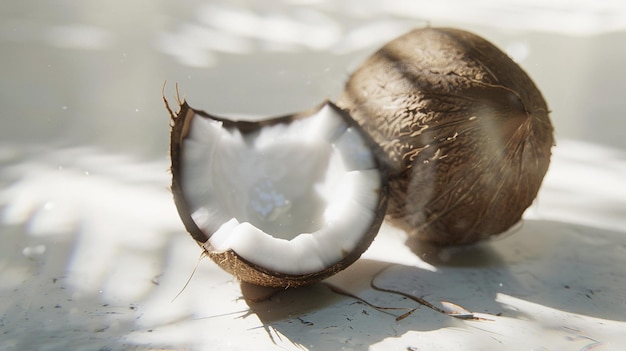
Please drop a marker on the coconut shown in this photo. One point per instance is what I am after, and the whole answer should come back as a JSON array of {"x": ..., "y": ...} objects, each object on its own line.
[
  {"x": 465, "y": 130},
  {"x": 281, "y": 202}
]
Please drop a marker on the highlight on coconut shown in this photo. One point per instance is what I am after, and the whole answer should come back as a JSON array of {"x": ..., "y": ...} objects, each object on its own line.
[{"x": 439, "y": 132}]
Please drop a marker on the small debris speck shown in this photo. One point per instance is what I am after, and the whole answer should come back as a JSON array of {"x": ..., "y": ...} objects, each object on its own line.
[{"x": 305, "y": 322}]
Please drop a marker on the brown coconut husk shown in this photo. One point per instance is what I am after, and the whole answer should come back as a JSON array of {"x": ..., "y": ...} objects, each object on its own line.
[{"x": 465, "y": 132}]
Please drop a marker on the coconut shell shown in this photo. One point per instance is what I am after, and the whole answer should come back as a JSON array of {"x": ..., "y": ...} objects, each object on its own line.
[
  {"x": 465, "y": 133},
  {"x": 230, "y": 261}
]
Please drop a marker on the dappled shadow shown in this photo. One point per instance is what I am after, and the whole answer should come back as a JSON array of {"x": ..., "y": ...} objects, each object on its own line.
[
  {"x": 546, "y": 263},
  {"x": 42, "y": 309},
  {"x": 85, "y": 236}
]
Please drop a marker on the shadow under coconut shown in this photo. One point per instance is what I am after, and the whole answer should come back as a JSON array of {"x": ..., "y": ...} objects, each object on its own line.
[
  {"x": 552, "y": 264},
  {"x": 477, "y": 255},
  {"x": 329, "y": 316},
  {"x": 569, "y": 267}
]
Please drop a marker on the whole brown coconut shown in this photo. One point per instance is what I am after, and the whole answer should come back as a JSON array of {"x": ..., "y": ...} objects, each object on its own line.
[{"x": 465, "y": 132}]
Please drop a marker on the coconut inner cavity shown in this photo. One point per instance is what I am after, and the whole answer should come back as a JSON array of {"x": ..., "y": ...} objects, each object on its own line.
[{"x": 293, "y": 197}]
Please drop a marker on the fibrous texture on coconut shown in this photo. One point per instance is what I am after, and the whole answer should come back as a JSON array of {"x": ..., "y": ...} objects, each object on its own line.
[
  {"x": 465, "y": 131},
  {"x": 281, "y": 202}
]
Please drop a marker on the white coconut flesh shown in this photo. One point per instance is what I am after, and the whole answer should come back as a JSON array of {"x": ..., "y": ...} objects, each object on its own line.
[{"x": 293, "y": 197}]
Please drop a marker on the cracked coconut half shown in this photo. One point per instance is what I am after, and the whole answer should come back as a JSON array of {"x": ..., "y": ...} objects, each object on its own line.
[{"x": 281, "y": 202}]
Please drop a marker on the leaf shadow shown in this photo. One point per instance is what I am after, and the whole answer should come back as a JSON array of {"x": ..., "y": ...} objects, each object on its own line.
[{"x": 549, "y": 263}]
